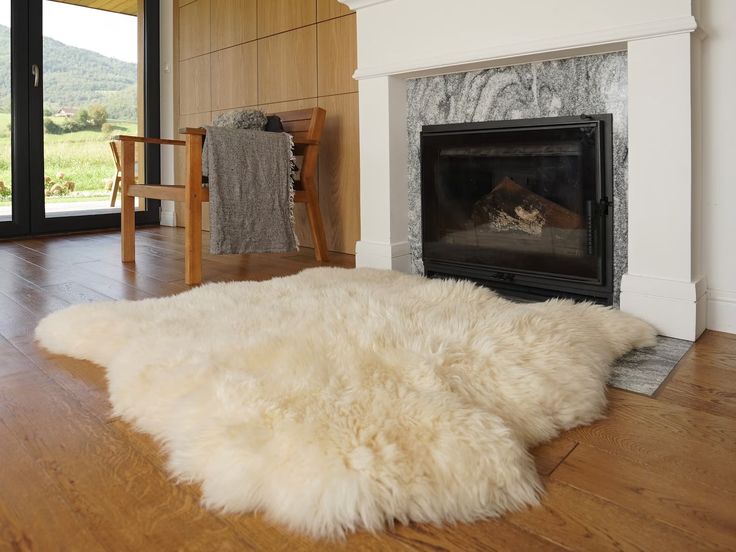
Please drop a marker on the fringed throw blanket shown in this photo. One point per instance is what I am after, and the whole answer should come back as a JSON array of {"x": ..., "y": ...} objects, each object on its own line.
[{"x": 251, "y": 191}]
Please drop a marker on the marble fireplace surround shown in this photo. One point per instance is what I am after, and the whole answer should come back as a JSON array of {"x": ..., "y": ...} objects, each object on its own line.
[
  {"x": 568, "y": 87},
  {"x": 402, "y": 40}
]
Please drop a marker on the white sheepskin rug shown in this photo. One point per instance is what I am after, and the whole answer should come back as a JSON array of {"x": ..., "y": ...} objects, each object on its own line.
[{"x": 336, "y": 399}]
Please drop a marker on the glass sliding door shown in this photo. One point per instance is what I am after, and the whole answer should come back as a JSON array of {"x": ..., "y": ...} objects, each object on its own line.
[
  {"x": 14, "y": 189},
  {"x": 90, "y": 74},
  {"x": 90, "y": 93},
  {"x": 6, "y": 116}
]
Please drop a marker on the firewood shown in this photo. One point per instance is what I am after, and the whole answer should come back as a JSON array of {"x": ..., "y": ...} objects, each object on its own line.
[{"x": 512, "y": 206}]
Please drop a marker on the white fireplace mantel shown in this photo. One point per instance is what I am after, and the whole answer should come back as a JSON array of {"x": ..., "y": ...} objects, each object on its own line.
[{"x": 401, "y": 39}]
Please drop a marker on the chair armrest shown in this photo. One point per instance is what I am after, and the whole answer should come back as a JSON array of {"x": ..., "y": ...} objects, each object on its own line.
[
  {"x": 189, "y": 130},
  {"x": 203, "y": 132},
  {"x": 145, "y": 140}
]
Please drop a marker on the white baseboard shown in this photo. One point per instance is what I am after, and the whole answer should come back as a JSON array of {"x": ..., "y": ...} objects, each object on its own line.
[
  {"x": 168, "y": 217},
  {"x": 722, "y": 311},
  {"x": 675, "y": 308},
  {"x": 388, "y": 256}
]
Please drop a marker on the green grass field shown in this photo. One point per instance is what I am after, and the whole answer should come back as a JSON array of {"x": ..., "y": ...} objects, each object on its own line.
[{"x": 83, "y": 157}]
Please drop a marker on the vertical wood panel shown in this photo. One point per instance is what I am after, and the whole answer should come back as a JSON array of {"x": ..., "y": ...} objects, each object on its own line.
[
  {"x": 194, "y": 29},
  {"x": 287, "y": 66},
  {"x": 233, "y": 22},
  {"x": 234, "y": 76},
  {"x": 195, "y": 94},
  {"x": 337, "y": 56},
  {"x": 339, "y": 172},
  {"x": 277, "y": 16},
  {"x": 273, "y": 54},
  {"x": 327, "y": 9}
]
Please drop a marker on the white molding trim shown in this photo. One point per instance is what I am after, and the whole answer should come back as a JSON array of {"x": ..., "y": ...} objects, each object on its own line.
[
  {"x": 722, "y": 310},
  {"x": 360, "y": 4},
  {"x": 391, "y": 256},
  {"x": 588, "y": 39},
  {"x": 660, "y": 287},
  {"x": 675, "y": 308}
]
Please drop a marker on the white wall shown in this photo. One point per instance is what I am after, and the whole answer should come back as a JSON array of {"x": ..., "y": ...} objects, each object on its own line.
[{"x": 718, "y": 21}]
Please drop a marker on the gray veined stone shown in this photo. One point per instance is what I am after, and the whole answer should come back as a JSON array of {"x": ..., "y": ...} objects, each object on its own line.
[{"x": 587, "y": 84}]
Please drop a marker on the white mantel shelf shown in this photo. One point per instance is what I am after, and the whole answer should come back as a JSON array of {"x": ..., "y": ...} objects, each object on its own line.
[{"x": 562, "y": 44}]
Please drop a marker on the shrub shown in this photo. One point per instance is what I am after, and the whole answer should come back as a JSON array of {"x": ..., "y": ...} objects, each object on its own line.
[
  {"x": 82, "y": 118},
  {"x": 98, "y": 115},
  {"x": 57, "y": 186},
  {"x": 71, "y": 125},
  {"x": 107, "y": 128},
  {"x": 51, "y": 127}
]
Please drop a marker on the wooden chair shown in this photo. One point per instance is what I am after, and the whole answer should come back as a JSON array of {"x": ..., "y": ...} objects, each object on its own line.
[
  {"x": 115, "y": 147},
  {"x": 304, "y": 125}
]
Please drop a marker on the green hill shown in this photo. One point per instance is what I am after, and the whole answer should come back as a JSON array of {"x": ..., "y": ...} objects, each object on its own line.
[{"x": 76, "y": 78}]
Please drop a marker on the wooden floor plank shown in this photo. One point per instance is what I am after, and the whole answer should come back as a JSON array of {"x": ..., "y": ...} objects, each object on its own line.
[
  {"x": 104, "y": 479},
  {"x": 74, "y": 293},
  {"x": 550, "y": 455},
  {"x": 141, "y": 282},
  {"x": 669, "y": 438},
  {"x": 33, "y": 514},
  {"x": 705, "y": 378},
  {"x": 584, "y": 521},
  {"x": 683, "y": 503},
  {"x": 31, "y": 296}
]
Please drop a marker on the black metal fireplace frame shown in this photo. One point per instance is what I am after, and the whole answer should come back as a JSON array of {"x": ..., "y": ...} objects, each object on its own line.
[{"x": 519, "y": 283}]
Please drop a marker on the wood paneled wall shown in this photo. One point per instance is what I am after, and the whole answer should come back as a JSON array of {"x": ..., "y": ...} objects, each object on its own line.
[{"x": 279, "y": 55}]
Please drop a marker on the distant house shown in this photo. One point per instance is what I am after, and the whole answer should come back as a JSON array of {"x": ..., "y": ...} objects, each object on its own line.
[{"x": 67, "y": 112}]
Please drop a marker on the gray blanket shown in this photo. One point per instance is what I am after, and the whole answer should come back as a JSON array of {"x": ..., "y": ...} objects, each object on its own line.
[{"x": 251, "y": 191}]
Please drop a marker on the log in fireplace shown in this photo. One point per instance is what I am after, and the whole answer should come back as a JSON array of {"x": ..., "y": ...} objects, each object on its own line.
[{"x": 523, "y": 206}]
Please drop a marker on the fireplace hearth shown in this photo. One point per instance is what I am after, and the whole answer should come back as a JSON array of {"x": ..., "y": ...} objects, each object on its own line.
[{"x": 523, "y": 206}]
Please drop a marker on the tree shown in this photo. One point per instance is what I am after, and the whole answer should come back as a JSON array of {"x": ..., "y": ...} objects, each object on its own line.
[
  {"x": 50, "y": 126},
  {"x": 82, "y": 118},
  {"x": 98, "y": 114},
  {"x": 71, "y": 125}
]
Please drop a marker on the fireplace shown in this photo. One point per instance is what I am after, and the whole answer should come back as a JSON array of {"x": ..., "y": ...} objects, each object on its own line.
[{"x": 523, "y": 206}]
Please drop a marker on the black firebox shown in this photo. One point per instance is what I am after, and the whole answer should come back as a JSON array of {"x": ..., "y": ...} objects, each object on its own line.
[{"x": 523, "y": 206}]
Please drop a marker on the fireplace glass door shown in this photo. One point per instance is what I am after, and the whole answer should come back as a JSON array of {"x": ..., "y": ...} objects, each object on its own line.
[{"x": 526, "y": 200}]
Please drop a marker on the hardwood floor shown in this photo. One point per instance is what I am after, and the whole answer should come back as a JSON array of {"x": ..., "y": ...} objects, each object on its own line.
[{"x": 659, "y": 473}]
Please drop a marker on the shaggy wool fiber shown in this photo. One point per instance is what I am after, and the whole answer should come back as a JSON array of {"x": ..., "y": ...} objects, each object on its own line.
[{"x": 338, "y": 399}]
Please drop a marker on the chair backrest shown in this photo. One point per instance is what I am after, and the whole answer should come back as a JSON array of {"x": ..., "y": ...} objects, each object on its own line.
[
  {"x": 115, "y": 147},
  {"x": 303, "y": 124}
]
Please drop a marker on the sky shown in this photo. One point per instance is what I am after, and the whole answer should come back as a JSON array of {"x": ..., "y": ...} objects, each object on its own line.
[{"x": 110, "y": 34}]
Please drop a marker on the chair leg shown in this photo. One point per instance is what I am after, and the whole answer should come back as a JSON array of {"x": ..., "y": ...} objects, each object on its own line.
[
  {"x": 127, "y": 208},
  {"x": 316, "y": 225},
  {"x": 115, "y": 186},
  {"x": 193, "y": 212},
  {"x": 193, "y": 243}
]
